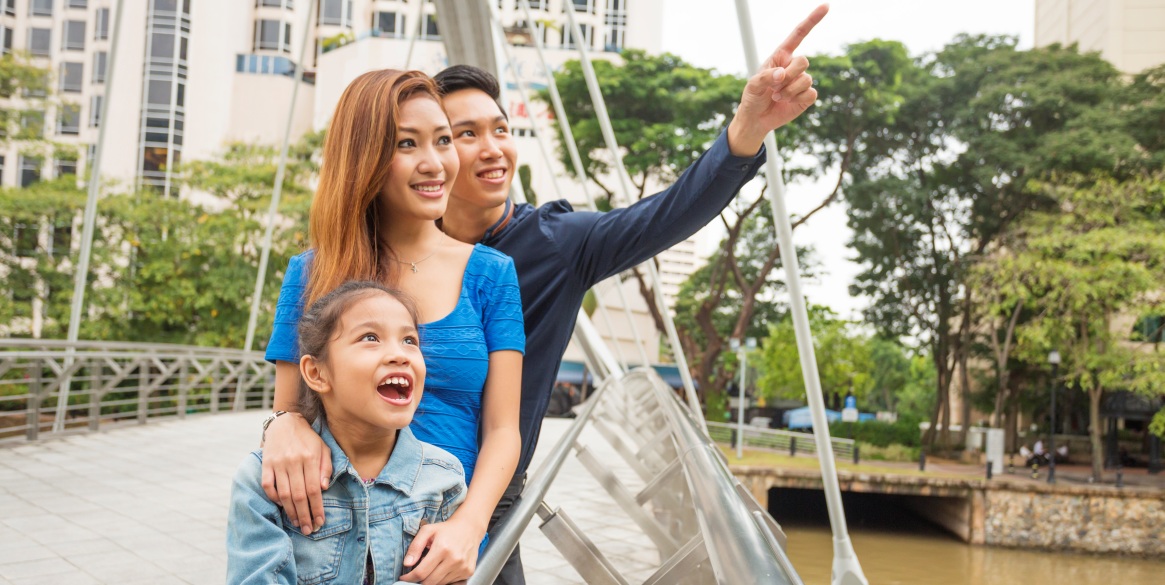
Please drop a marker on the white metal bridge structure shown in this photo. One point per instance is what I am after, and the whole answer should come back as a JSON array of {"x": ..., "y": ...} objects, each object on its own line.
[{"x": 704, "y": 525}]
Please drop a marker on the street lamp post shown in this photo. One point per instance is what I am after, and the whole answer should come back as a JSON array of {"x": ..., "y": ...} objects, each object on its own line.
[
  {"x": 1054, "y": 359},
  {"x": 742, "y": 355}
]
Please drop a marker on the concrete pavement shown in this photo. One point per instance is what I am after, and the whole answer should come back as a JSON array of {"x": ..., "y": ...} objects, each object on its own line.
[{"x": 148, "y": 504}]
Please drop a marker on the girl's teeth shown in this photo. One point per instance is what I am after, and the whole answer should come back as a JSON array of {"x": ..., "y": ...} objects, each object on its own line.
[{"x": 428, "y": 188}]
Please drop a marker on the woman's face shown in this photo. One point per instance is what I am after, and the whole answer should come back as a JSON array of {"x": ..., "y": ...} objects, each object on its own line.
[{"x": 425, "y": 163}]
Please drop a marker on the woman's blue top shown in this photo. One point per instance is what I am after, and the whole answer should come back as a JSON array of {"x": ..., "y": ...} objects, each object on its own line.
[{"x": 487, "y": 318}]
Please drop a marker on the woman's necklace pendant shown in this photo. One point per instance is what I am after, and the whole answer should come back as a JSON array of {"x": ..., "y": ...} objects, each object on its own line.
[{"x": 414, "y": 264}]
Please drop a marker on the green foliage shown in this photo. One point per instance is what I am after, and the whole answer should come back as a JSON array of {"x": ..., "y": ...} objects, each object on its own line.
[
  {"x": 165, "y": 270},
  {"x": 843, "y": 358},
  {"x": 664, "y": 111},
  {"x": 901, "y": 453},
  {"x": 1096, "y": 257},
  {"x": 880, "y": 434}
]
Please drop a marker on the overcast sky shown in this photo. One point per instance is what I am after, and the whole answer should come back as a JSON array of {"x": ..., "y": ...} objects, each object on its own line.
[{"x": 706, "y": 33}]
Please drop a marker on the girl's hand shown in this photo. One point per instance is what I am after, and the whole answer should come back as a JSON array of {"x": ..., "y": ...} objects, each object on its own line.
[
  {"x": 297, "y": 467},
  {"x": 452, "y": 552}
]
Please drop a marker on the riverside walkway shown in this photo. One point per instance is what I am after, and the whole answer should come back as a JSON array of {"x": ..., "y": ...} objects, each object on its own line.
[{"x": 148, "y": 504}]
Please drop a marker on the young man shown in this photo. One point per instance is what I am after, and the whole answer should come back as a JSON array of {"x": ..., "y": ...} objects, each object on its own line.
[{"x": 559, "y": 253}]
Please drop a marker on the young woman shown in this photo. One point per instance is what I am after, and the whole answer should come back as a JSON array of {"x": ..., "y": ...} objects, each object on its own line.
[
  {"x": 363, "y": 376},
  {"x": 388, "y": 164}
]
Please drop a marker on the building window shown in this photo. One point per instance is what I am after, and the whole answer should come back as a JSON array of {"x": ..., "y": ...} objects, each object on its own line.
[
  {"x": 71, "y": 77},
  {"x": 388, "y": 24},
  {"x": 162, "y": 45},
  {"x": 64, "y": 166},
  {"x": 41, "y": 8},
  {"x": 158, "y": 92},
  {"x": 62, "y": 242},
  {"x": 69, "y": 120},
  {"x": 6, "y": 42},
  {"x": 272, "y": 35},
  {"x": 615, "y": 20},
  {"x": 1, "y": 170},
  {"x": 78, "y": 3},
  {"x": 101, "y": 28},
  {"x": 568, "y": 39},
  {"x": 430, "y": 31},
  {"x": 583, "y": 6},
  {"x": 32, "y": 124},
  {"x": 154, "y": 159},
  {"x": 10, "y": 7},
  {"x": 336, "y": 12},
  {"x": 73, "y": 38},
  {"x": 95, "y": 103},
  {"x": 29, "y": 170},
  {"x": 524, "y": 132},
  {"x": 40, "y": 41},
  {"x": 288, "y": 4},
  {"x": 99, "y": 59},
  {"x": 536, "y": 4},
  {"x": 539, "y": 31}
]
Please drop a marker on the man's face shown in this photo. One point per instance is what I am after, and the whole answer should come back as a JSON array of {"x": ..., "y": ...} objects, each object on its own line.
[{"x": 485, "y": 146}]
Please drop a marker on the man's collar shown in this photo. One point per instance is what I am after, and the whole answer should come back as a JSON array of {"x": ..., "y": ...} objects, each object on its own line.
[{"x": 501, "y": 223}]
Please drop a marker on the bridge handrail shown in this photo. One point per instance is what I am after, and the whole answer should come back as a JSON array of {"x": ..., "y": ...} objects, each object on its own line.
[
  {"x": 738, "y": 554},
  {"x": 121, "y": 382},
  {"x": 782, "y": 439},
  {"x": 20, "y": 345}
]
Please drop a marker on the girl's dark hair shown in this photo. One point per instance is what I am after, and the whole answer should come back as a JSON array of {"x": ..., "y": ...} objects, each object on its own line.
[{"x": 318, "y": 325}]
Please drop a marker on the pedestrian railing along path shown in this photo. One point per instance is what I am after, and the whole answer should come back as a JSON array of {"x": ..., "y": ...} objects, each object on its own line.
[
  {"x": 790, "y": 442},
  {"x": 114, "y": 382}
]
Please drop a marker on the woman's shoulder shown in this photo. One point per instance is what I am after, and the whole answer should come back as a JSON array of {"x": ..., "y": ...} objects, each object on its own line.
[{"x": 487, "y": 260}]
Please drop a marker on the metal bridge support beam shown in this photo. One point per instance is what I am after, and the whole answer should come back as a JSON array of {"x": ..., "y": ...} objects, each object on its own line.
[{"x": 576, "y": 548}]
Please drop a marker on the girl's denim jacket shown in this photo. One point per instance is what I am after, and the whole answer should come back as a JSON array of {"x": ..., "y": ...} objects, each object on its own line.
[{"x": 419, "y": 481}]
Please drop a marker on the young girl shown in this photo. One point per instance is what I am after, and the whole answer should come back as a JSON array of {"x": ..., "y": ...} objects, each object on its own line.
[
  {"x": 388, "y": 163},
  {"x": 363, "y": 377}
]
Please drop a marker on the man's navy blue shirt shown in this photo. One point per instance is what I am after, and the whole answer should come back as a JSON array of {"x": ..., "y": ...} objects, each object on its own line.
[{"x": 560, "y": 253}]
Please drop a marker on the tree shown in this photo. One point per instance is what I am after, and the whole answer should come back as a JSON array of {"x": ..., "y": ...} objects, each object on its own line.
[
  {"x": 953, "y": 171},
  {"x": 664, "y": 112},
  {"x": 844, "y": 359},
  {"x": 737, "y": 289},
  {"x": 1093, "y": 259},
  {"x": 163, "y": 269}
]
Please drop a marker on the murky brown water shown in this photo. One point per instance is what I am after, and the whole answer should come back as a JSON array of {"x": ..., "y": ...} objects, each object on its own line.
[{"x": 930, "y": 557}]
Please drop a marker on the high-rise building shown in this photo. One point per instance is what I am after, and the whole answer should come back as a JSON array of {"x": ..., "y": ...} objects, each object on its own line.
[
  {"x": 1128, "y": 33},
  {"x": 192, "y": 76}
]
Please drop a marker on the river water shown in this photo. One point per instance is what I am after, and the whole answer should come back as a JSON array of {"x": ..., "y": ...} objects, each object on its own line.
[{"x": 924, "y": 555}]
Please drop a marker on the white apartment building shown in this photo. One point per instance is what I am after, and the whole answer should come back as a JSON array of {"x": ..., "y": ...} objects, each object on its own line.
[
  {"x": 1128, "y": 33},
  {"x": 192, "y": 76}
]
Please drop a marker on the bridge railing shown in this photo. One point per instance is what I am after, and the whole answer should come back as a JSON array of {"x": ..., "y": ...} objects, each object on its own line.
[
  {"x": 790, "y": 442},
  {"x": 121, "y": 382}
]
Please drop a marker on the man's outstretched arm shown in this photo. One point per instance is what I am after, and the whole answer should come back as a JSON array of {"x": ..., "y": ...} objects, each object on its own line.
[{"x": 599, "y": 245}]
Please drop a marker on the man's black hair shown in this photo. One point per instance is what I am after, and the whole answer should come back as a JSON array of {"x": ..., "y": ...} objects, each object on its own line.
[{"x": 459, "y": 77}]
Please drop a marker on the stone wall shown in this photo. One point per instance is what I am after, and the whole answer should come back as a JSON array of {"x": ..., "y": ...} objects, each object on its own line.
[
  {"x": 1079, "y": 518},
  {"x": 1001, "y": 512}
]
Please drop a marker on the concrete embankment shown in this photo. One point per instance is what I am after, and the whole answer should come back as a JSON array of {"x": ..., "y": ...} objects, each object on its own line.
[{"x": 1001, "y": 511}]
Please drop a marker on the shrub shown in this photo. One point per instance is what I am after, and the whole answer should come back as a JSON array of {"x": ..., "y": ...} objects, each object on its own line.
[{"x": 880, "y": 434}]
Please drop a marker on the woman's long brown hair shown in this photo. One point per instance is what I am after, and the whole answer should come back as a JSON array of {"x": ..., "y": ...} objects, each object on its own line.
[{"x": 360, "y": 144}]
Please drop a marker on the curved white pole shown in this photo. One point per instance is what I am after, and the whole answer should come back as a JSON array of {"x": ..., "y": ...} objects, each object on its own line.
[
  {"x": 846, "y": 568},
  {"x": 273, "y": 209},
  {"x": 581, "y": 177},
  {"x": 81, "y": 277},
  {"x": 625, "y": 183}
]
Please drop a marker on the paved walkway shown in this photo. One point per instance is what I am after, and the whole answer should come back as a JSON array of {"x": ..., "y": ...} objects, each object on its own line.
[{"x": 148, "y": 504}]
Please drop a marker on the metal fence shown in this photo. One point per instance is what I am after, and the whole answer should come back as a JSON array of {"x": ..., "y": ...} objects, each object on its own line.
[
  {"x": 116, "y": 383},
  {"x": 782, "y": 441}
]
